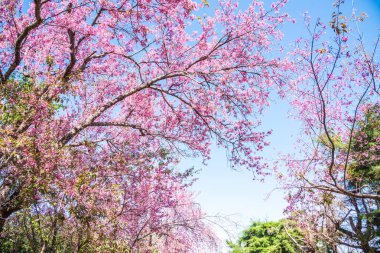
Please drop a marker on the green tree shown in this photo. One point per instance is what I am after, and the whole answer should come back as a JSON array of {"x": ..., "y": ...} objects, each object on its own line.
[
  {"x": 363, "y": 223},
  {"x": 269, "y": 237},
  {"x": 365, "y": 170}
]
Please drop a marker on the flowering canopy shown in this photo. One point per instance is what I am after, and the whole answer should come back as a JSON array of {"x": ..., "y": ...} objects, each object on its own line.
[
  {"x": 91, "y": 90},
  {"x": 335, "y": 94}
]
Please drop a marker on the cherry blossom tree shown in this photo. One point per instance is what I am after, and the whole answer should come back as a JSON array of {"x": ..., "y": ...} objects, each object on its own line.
[
  {"x": 335, "y": 93},
  {"x": 151, "y": 211},
  {"x": 91, "y": 90}
]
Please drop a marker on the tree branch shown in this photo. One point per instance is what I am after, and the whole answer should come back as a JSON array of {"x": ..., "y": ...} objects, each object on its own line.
[{"x": 21, "y": 39}]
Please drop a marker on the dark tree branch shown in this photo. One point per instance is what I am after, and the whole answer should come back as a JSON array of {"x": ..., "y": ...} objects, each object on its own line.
[
  {"x": 73, "y": 59},
  {"x": 21, "y": 39}
]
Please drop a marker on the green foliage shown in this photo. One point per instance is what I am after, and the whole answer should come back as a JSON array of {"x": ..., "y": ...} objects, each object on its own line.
[
  {"x": 268, "y": 237},
  {"x": 16, "y": 100},
  {"x": 30, "y": 231},
  {"x": 364, "y": 176},
  {"x": 12, "y": 106},
  {"x": 367, "y": 149}
]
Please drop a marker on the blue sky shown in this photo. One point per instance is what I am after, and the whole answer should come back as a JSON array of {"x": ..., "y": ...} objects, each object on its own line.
[{"x": 234, "y": 194}]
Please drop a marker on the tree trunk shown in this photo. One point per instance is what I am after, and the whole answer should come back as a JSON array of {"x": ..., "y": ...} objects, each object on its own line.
[
  {"x": 8, "y": 203},
  {"x": 2, "y": 222},
  {"x": 4, "y": 215}
]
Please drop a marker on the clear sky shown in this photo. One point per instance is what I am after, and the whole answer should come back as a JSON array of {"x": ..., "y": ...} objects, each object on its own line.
[{"x": 234, "y": 194}]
